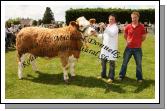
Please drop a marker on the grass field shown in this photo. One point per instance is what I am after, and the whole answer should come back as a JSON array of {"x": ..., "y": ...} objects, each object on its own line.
[{"x": 49, "y": 84}]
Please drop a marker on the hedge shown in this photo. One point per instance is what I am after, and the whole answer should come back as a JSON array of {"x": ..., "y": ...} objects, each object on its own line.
[{"x": 101, "y": 15}]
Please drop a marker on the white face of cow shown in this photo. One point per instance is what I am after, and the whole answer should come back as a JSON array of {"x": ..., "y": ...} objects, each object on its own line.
[{"x": 84, "y": 27}]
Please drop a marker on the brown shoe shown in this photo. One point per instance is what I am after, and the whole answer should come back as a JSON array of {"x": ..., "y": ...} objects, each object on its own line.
[
  {"x": 109, "y": 81},
  {"x": 140, "y": 81},
  {"x": 99, "y": 77}
]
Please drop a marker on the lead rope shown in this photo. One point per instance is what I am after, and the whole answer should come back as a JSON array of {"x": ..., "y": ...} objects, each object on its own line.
[{"x": 102, "y": 32}]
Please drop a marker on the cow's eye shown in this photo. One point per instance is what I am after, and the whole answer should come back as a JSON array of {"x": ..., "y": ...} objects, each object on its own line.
[{"x": 81, "y": 26}]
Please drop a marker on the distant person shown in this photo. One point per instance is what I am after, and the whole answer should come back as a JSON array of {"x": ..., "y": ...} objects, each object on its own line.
[
  {"x": 134, "y": 35},
  {"x": 12, "y": 28},
  {"x": 7, "y": 36},
  {"x": 146, "y": 26}
]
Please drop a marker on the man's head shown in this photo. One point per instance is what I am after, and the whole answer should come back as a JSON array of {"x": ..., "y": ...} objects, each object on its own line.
[
  {"x": 112, "y": 19},
  {"x": 135, "y": 16}
]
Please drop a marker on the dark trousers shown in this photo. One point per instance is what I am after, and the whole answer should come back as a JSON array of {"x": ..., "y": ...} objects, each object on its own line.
[
  {"x": 111, "y": 70},
  {"x": 137, "y": 53}
]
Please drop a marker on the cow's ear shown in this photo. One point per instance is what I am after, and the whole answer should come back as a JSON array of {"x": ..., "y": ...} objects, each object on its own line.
[
  {"x": 92, "y": 20},
  {"x": 74, "y": 24}
]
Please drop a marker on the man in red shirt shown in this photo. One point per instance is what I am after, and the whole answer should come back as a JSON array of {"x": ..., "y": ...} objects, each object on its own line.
[{"x": 134, "y": 35}]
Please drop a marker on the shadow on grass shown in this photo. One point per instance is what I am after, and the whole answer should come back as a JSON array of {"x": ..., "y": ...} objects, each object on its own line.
[
  {"x": 83, "y": 81},
  {"x": 91, "y": 82},
  {"x": 139, "y": 86}
]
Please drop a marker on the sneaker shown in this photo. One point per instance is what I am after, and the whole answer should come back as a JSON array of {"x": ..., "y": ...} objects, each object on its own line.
[
  {"x": 140, "y": 81},
  {"x": 110, "y": 81}
]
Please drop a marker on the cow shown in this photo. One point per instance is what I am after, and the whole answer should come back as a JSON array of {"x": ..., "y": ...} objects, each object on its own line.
[{"x": 64, "y": 43}]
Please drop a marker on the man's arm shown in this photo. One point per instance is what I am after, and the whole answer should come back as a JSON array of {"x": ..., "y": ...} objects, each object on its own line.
[
  {"x": 144, "y": 37},
  {"x": 125, "y": 36},
  {"x": 125, "y": 33}
]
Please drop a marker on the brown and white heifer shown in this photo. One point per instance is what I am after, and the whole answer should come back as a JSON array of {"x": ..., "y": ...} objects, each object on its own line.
[{"x": 64, "y": 43}]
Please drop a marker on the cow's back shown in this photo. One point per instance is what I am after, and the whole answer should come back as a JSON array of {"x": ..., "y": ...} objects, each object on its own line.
[{"x": 49, "y": 42}]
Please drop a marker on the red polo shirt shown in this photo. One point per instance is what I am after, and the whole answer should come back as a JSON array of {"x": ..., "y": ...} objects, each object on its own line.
[{"x": 134, "y": 35}]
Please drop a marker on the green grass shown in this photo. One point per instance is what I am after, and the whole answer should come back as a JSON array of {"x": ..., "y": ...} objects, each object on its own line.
[{"x": 49, "y": 84}]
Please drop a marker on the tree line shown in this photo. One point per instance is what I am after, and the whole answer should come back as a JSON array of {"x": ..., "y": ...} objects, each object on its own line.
[{"x": 101, "y": 14}]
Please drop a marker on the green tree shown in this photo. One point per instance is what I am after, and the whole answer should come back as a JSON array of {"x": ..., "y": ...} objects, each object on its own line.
[
  {"x": 48, "y": 16},
  {"x": 39, "y": 22},
  {"x": 34, "y": 22}
]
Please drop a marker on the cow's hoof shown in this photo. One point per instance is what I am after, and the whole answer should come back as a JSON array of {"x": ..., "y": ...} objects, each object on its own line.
[
  {"x": 67, "y": 81},
  {"x": 20, "y": 78},
  {"x": 72, "y": 78}
]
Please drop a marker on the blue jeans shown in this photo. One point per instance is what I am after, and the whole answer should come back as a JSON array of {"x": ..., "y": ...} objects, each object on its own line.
[
  {"x": 137, "y": 53},
  {"x": 111, "y": 73}
]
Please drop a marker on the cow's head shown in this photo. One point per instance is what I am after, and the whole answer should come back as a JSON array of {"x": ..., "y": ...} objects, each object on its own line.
[{"x": 84, "y": 27}]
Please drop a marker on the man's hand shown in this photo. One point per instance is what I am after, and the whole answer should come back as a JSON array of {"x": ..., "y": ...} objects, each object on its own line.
[
  {"x": 102, "y": 25},
  {"x": 125, "y": 36}
]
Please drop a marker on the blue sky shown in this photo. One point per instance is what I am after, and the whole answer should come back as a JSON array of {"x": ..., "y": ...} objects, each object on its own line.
[{"x": 37, "y": 11}]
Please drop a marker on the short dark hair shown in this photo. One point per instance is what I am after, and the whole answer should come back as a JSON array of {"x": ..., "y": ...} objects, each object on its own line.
[{"x": 113, "y": 15}]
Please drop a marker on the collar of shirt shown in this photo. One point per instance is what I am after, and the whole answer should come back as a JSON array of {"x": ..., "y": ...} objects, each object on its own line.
[
  {"x": 136, "y": 26},
  {"x": 109, "y": 25}
]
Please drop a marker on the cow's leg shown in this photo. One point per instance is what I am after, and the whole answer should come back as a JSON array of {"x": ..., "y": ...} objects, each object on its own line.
[
  {"x": 65, "y": 71},
  {"x": 72, "y": 65},
  {"x": 33, "y": 62},
  {"x": 20, "y": 66},
  {"x": 65, "y": 65}
]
